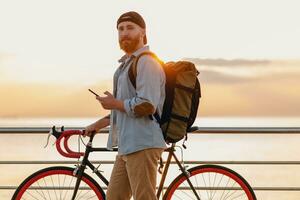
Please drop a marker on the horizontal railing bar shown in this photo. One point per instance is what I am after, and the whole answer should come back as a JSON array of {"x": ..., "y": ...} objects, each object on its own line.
[
  {"x": 211, "y": 130},
  {"x": 172, "y": 162},
  {"x": 185, "y": 188}
]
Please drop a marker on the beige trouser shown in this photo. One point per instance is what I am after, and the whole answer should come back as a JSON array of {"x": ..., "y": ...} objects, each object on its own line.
[{"x": 134, "y": 175}]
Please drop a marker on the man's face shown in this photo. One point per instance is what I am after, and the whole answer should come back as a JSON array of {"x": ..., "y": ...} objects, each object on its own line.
[{"x": 130, "y": 36}]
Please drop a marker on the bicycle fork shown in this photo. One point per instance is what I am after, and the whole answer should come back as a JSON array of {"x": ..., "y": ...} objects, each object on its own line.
[
  {"x": 186, "y": 174},
  {"x": 80, "y": 169}
]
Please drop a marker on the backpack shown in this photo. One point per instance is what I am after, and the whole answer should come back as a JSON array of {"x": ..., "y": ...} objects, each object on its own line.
[{"x": 182, "y": 90}]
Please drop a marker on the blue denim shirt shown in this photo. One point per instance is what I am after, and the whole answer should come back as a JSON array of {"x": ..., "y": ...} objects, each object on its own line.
[{"x": 127, "y": 131}]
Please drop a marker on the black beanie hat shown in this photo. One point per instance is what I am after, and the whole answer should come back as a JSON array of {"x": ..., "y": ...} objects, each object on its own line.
[{"x": 135, "y": 18}]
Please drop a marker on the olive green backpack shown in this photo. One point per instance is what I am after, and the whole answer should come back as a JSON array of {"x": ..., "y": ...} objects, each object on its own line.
[{"x": 181, "y": 103}]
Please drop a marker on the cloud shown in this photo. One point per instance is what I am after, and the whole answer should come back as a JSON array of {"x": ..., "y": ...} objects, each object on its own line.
[
  {"x": 210, "y": 76},
  {"x": 226, "y": 62},
  {"x": 49, "y": 100},
  {"x": 269, "y": 96},
  {"x": 271, "y": 90},
  {"x": 228, "y": 72},
  {"x": 221, "y": 77}
]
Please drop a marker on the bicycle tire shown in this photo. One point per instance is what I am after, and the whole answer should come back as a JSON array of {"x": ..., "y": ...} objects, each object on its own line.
[
  {"x": 230, "y": 185},
  {"x": 49, "y": 183}
]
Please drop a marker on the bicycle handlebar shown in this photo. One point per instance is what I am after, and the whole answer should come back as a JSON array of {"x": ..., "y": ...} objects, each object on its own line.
[{"x": 65, "y": 135}]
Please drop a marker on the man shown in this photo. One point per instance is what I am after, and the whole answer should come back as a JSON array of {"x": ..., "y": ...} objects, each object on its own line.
[{"x": 138, "y": 137}]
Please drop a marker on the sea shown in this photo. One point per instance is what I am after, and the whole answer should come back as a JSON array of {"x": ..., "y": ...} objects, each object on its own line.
[{"x": 200, "y": 147}]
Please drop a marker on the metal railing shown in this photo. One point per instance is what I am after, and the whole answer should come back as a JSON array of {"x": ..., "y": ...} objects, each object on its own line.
[{"x": 201, "y": 130}]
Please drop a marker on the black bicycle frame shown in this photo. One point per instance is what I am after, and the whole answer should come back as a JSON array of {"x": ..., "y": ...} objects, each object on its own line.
[
  {"x": 85, "y": 162},
  {"x": 182, "y": 168}
]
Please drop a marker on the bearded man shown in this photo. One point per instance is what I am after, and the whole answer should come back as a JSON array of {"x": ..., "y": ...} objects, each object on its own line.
[{"x": 137, "y": 135}]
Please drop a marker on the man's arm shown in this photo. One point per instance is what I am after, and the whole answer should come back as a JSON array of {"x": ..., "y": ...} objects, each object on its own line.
[
  {"x": 150, "y": 77},
  {"x": 96, "y": 126},
  {"x": 149, "y": 80}
]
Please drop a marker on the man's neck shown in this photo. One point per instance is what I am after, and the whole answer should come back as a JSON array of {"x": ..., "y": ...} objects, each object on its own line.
[{"x": 138, "y": 47}]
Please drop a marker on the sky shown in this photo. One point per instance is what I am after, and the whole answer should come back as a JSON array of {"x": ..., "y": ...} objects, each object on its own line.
[
  {"x": 52, "y": 51},
  {"x": 67, "y": 41}
]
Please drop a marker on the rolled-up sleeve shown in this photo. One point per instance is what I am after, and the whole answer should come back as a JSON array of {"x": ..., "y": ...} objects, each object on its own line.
[{"x": 149, "y": 81}]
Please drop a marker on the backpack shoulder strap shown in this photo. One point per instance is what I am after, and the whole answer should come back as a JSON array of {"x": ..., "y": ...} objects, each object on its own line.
[{"x": 132, "y": 72}]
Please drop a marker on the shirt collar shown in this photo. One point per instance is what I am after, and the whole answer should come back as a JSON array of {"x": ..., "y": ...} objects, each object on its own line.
[{"x": 136, "y": 53}]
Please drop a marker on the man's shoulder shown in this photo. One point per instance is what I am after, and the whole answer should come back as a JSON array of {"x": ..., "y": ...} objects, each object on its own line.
[{"x": 148, "y": 58}]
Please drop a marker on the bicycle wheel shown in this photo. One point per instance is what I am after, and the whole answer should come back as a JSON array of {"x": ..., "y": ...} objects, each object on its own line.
[
  {"x": 55, "y": 183},
  {"x": 211, "y": 182}
]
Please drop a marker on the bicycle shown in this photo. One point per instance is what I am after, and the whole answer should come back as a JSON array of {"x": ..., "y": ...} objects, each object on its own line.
[{"x": 205, "y": 182}]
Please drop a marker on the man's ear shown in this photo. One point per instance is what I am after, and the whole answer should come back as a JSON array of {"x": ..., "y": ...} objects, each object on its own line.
[{"x": 143, "y": 32}]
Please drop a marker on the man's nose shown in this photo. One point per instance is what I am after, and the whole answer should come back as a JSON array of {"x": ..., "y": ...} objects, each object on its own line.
[{"x": 124, "y": 34}]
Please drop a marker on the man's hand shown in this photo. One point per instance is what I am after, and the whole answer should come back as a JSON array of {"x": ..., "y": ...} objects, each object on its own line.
[
  {"x": 96, "y": 126},
  {"x": 90, "y": 129},
  {"x": 109, "y": 102}
]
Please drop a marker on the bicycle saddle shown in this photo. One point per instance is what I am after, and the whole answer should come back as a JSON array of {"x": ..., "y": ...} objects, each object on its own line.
[{"x": 192, "y": 129}]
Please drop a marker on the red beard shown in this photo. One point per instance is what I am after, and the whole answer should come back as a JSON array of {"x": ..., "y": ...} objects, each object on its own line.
[{"x": 129, "y": 45}]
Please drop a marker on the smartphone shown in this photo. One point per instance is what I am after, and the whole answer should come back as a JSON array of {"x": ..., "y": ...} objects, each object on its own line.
[{"x": 93, "y": 92}]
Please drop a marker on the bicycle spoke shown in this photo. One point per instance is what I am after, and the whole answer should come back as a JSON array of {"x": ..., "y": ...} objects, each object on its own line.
[
  {"x": 47, "y": 190},
  {"x": 42, "y": 191},
  {"x": 84, "y": 194},
  {"x": 71, "y": 181},
  {"x": 32, "y": 195},
  {"x": 211, "y": 183},
  {"x": 239, "y": 196},
  {"x": 225, "y": 190},
  {"x": 53, "y": 187},
  {"x": 55, "y": 183},
  {"x": 204, "y": 184},
  {"x": 234, "y": 191},
  {"x": 197, "y": 185},
  {"x": 218, "y": 185},
  {"x": 59, "y": 186},
  {"x": 215, "y": 191},
  {"x": 210, "y": 192},
  {"x": 91, "y": 197},
  {"x": 40, "y": 194},
  {"x": 177, "y": 196},
  {"x": 185, "y": 195},
  {"x": 66, "y": 190}
]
